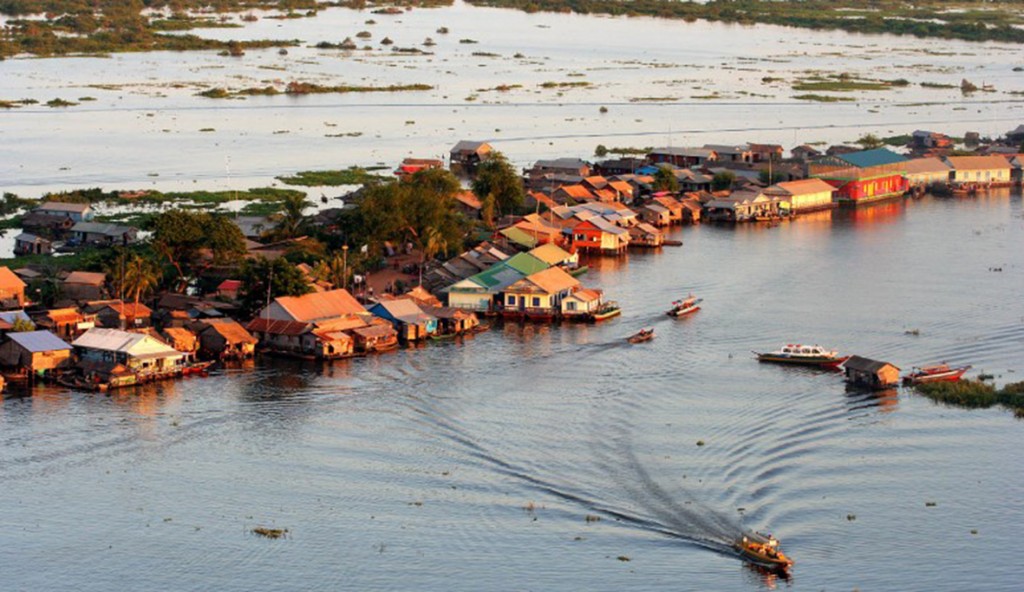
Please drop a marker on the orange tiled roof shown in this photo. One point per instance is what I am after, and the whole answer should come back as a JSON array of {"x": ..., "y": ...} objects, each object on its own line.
[
  {"x": 321, "y": 305},
  {"x": 10, "y": 281}
]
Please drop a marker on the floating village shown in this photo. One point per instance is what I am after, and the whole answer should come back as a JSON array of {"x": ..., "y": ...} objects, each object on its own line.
[{"x": 108, "y": 328}]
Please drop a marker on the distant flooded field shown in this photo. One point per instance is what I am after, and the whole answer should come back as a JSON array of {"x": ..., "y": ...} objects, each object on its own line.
[
  {"x": 562, "y": 458},
  {"x": 532, "y": 84}
]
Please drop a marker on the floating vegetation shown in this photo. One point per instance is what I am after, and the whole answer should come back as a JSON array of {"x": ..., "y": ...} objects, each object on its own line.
[
  {"x": 571, "y": 84},
  {"x": 306, "y": 88},
  {"x": 350, "y": 176},
  {"x": 468, "y": 41},
  {"x": 592, "y": 518},
  {"x": 821, "y": 98},
  {"x": 840, "y": 85},
  {"x": 16, "y": 104},
  {"x": 975, "y": 394},
  {"x": 623, "y": 558},
  {"x": 652, "y": 99},
  {"x": 500, "y": 88},
  {"x": 270, "y": 533},
  {"x": 937, "y": 85},
  {"x": 60, "y": 103}
]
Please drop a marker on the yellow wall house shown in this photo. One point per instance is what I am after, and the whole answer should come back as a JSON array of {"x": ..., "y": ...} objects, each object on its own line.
[
  {"x": 806, "y": 195},
  {"x": 540, "y": 294},
  {"x": 988, "y": 170}
]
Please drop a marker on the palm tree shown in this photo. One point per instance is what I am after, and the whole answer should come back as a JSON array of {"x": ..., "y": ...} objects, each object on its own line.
[
  {"x": 433, "y": 243},
  {"x": 141, "y": 276},
  {"x": 290, "y": 218},
  {"x": 331, "y": 270}
]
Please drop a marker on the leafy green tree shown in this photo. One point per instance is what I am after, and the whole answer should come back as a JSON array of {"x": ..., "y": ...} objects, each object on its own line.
[
  {"x": 665, "y": 179},
  {"x": 334, "y": 270},
  {"x": 263, "y": 280},
  {"x": 22, "y": 325},
  {"x": 497, "y": 178},
  {"x": 723, "y": 180},
  {"x": 192, "y": 241}
]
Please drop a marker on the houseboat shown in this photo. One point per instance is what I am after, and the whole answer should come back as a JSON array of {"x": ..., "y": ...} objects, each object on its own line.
[
  {"x": 808, "y": 355},
  {"x": 870, "y": 374}
]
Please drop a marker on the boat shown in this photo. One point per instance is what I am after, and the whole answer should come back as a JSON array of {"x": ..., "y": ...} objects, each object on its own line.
[
  {"x": 681, "y": 308},
  {"x": 808, "y": 355},
  {"x": 641, "y": 336},
  {"x": 935, "y": 373},
  {"x": 606, "y": 311},
  {"x": 762, "y": 550}
]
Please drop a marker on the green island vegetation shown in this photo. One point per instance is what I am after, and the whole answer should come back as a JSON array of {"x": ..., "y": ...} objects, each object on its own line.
[
  {"x": 969, "y": 20},
  {"x": 821, "y": 98},
  {"x": 975, "y": 394},
  {"x": 307, "y": 88},
  {"x": 570, "y": 84},
  {"x": 49, "y": 28},
  {"x": 350, "y": 176},
  {"x": 17, "y": 104},
  {"x": 603, "y": 150}
]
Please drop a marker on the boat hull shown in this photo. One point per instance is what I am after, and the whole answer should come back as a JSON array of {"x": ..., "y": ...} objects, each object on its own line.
[
  {"x": 682, "y": 312},
  {"x": 819, "y": 361},
  {"x": 951, "y": 375}
]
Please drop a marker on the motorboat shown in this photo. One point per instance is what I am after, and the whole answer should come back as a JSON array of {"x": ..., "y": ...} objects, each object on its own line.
[
  {"x": 935, "y": 373},
  {"x": 641, "y": 336},
  {"x": 763, "y": 550},
  {"x": 681, "y": 308},
  {"x": 808, "y": 355}
]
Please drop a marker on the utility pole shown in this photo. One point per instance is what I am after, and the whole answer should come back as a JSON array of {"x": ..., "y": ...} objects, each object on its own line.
[{"x": 344, "y": 266}]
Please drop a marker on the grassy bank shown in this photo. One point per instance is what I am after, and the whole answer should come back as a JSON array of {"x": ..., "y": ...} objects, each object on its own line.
[{"x": 975, "y": 394}]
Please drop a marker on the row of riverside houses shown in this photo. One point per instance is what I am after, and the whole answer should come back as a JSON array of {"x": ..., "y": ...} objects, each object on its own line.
[{"x": 109, "y": 343}]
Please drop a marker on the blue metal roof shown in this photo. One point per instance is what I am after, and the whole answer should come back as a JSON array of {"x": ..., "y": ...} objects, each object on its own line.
[
  {"x": 870, "y": 158},
  {"x": 38, "y": 341},
  {"x": 14, "y": 315}
]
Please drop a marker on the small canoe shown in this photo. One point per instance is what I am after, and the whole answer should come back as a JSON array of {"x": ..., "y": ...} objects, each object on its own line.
[{"x": 641, "y": 336}]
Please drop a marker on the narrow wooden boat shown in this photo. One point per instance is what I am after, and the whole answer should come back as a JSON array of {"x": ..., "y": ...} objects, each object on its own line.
[
  {"x": 607, "y": 311},
  {"x": 807, "y": 355},
  {"x": 681, "y": 308},
  {"x": 641, "y": 336},
  {"x": 762, "y": 550},
  {"x": 935, "y": 373}
]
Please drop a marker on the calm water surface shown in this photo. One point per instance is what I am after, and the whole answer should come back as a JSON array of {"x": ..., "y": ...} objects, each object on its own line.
[{"x": 474, "y": 465}]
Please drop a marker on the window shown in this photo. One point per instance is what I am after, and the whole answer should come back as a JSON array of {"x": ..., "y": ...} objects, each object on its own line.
[
  {"x": 570, "y": 305},
  {"x": 536, "y": 301},
  {"x": 511, "y": 300}
]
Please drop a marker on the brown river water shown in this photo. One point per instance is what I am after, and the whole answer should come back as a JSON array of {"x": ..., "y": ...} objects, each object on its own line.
[{"x": 474, "y": 465}]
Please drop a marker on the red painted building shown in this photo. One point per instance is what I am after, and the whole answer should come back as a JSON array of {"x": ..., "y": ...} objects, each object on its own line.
[{"x": 865, "y": 176}]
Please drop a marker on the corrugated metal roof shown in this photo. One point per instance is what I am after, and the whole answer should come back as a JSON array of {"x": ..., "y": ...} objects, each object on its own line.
[
  {"x": 38, "y": 341},
  {"x": 103, "y": 228},
  {"x": 320, "y": 305},
  {"x": 13, "y": 315},
  {"x": 90, "y": 278},
  {"x": 552, "y": 280},
  {"x": 870, "y": 158},
  {"x": 60, "y": 206},
  {"x": 978, "y": 163},
  {"x": 519, "y": 236},
  {"x": 916, "y": 166},
  {"x": 137, "y": 344},
  {"x": 550, "y": 254},
  {"x": 526, "y": 263}
]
